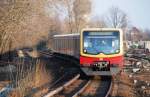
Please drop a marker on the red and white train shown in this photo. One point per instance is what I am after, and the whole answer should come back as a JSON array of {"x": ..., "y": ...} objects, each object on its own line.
[{"x": 100, "y": 50}]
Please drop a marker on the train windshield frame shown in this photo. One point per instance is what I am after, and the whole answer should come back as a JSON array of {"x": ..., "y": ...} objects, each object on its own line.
[{"x": 97, "y": 42}]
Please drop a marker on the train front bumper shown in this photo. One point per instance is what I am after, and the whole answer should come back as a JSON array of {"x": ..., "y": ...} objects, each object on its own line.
[{"x": 112, "y": 71}]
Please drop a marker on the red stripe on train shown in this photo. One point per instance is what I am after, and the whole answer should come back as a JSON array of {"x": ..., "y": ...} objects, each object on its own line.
[{"x": 86, "y": 61}]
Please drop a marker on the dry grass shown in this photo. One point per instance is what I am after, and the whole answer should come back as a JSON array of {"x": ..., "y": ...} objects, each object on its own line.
[{"x": 34, "y": 77}]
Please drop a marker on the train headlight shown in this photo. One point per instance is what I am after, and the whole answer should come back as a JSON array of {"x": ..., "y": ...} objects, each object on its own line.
[
  {"x": 84, "y": 50},
  {"x": 107, "y": 63},
  {"x": 95, "y": 64},
  {"x": 117, "y": 51}
]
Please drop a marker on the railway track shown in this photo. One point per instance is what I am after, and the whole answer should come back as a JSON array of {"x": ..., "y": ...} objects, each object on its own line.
[
  {"x": 60, "y": 88},
  {"x": 74, "y": 87},
  {"x": 89, "y": 89},
  {"x": 94, "y": 87}
]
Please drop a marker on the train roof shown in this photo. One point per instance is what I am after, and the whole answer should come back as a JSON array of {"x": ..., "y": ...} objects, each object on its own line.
[
  {"x": 88, "y": 29},
  {"x": 67, "y": 35}
]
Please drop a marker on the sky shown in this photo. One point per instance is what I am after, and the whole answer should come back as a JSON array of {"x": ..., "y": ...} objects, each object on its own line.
[{"x": 138, "y": 11}]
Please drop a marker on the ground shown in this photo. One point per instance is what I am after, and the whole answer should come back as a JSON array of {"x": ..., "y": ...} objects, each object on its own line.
[{"x": 131, "y": 84}]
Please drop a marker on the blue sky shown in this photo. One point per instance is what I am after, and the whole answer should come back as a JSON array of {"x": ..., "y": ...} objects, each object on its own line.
[{"x": 138, "y": 11}]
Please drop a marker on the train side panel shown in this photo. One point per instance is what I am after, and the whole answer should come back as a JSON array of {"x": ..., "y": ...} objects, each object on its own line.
[{"x": 67, "y": 45}]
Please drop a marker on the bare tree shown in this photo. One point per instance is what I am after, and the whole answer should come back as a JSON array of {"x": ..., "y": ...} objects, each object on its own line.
[
  {"x": 64, "y": 8},
  {"x": 81, "y": 9},
  {"x": 116, "y": 18},
  {"x": 73, "y": 12},
  {"x": 23, "y": 20},
  {"x": 97, "y": 22}
]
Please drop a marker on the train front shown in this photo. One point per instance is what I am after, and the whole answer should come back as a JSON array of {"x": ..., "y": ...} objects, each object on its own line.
[{"x": 101, "y": 51}]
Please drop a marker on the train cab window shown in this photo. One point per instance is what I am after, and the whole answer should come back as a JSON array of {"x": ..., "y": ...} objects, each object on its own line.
[{"x": 101, "y": 42}]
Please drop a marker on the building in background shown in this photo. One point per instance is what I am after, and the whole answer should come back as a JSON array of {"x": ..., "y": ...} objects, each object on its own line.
[{"x": 135, "y": 34}]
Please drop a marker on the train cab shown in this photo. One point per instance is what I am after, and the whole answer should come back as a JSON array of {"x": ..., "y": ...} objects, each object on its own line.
[{"x": 101, "y": 51}]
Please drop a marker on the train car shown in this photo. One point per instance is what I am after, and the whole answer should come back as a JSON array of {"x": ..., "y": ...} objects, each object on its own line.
[
  {"x": 67, "y": 44},
  {"x": 100, "y": 50}
]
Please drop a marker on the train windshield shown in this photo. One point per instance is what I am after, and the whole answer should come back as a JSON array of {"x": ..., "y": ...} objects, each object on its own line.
[{"x": 101, "y": 42}]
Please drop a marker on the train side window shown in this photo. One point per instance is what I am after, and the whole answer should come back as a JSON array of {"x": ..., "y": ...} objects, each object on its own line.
[
  {"x": 64, "y": 44},
  {"x": 55, "y": 44},
  {"x": 71, "y": 40},
  {"x": 69, "y": 45},
  {"x": 78, "y": 44},
  {"x": 72, "y": 47},
  {"x": 74, "y": 42},
  {"x": 62, "y": 41},
  {"x": 61, "y": 44},
  {"x": 58, "y": 44}
]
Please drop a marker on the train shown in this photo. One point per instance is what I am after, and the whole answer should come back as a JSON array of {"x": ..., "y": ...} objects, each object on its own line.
[{"x": 99, "y": 50}]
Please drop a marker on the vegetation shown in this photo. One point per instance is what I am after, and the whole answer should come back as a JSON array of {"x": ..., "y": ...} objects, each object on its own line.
[{"x": 30, "y": 23}]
